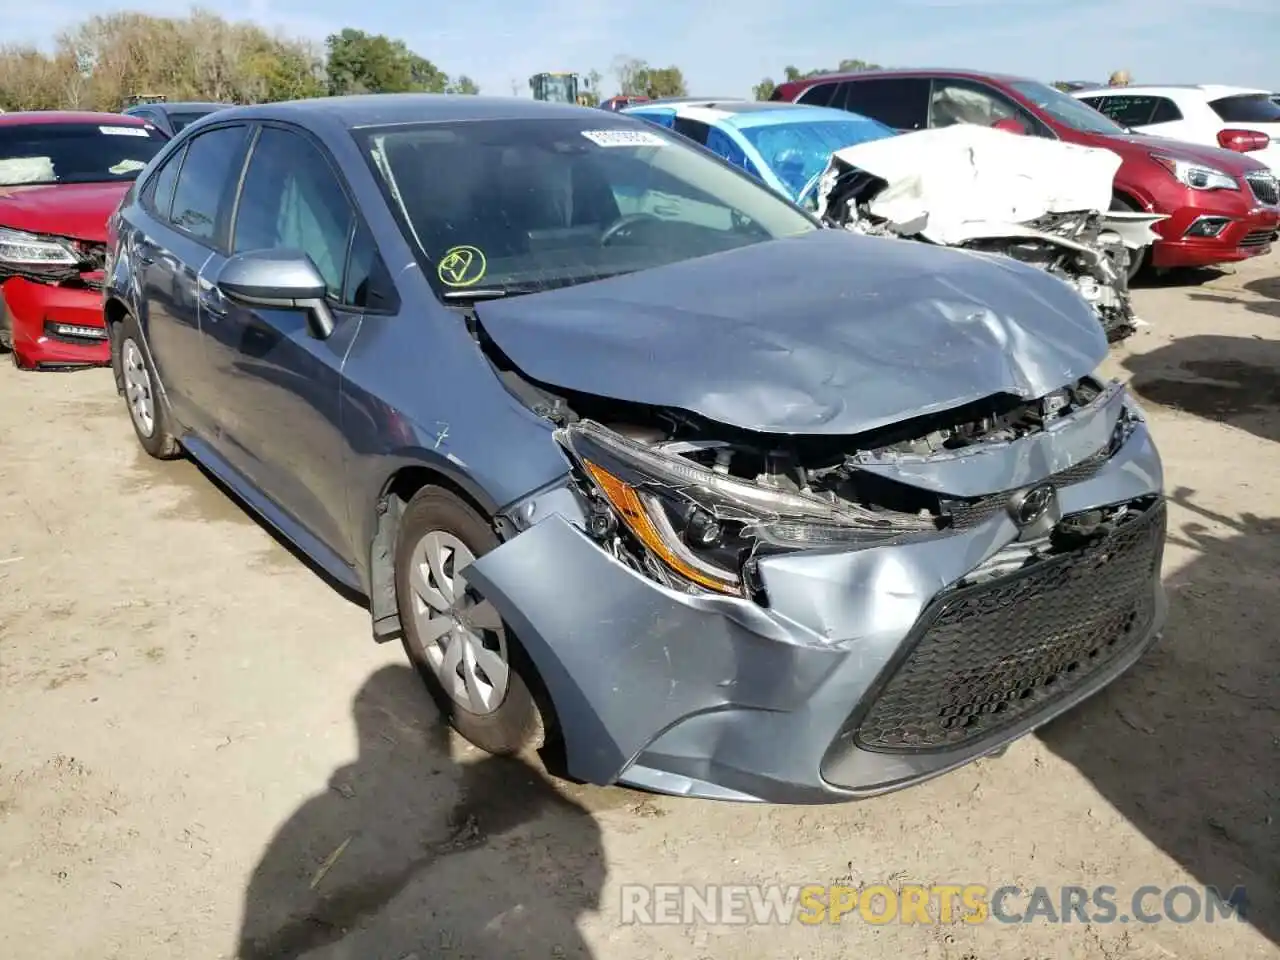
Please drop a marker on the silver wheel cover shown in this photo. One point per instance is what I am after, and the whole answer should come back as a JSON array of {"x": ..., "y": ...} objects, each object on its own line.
[
  {"x": 458, "y": 635},
  {"x": 137, "y": 388}
]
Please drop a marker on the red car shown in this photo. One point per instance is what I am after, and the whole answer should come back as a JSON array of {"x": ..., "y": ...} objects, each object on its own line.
[
  {"x": 1222, "y": 205},
  {"x": 61, "y": 176}
]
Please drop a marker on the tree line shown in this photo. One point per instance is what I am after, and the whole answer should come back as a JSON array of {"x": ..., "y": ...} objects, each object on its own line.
[{"x": 101, "y": 62}]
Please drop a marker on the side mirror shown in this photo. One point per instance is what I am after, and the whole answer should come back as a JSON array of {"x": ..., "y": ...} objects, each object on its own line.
[{"x": 280, "y": 280}]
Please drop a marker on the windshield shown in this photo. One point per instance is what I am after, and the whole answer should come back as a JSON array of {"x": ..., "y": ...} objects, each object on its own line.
[
  {"x": 799, "y": 151},
  {"x": 1065, "y": 109},
  {"x": 523, "y": 205},
  {"x": 179, "y": 121},
  {"x": 33, "y": 153},
  {"x": 1247, "y": 108}
]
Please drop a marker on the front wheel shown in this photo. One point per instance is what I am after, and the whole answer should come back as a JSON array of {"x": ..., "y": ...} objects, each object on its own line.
[
  {"x": 6, "y": 326},
  {"x": 471, "y": 664}
]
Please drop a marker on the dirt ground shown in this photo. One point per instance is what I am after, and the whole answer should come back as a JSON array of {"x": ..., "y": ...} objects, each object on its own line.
[{"x": 201, "y": 748}]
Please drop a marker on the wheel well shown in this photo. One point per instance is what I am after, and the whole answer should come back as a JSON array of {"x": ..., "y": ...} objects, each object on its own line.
[
  {"x": 399, "y": 490},
  {"x": 1129, "y": 200}
]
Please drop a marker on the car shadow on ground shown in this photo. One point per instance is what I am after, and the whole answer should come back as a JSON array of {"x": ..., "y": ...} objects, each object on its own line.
[
  {"x": 1186, "y": 745},
  {"x": 410, "y": 855},
  {"x": 1233, "y": 380},
  {"x": 1177, "y": 277}
]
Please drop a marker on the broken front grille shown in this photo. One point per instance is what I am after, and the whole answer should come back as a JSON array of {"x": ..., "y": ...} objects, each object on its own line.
[
  {"x": 967, "y": 514},
  {"x": 990, "y": 656},
  {"x": 1264, "y": 187}
]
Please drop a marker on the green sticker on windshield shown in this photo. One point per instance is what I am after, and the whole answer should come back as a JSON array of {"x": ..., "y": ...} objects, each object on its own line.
[
  {"x": 462, "y": 266},
  {"x": 126, "y": 166}
]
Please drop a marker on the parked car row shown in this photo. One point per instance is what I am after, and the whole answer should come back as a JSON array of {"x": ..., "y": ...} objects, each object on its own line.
[
  {"x": 1221, "y": 205},
  {"x": 638, "y": 461},
  {"x": 62, "y": 174}
]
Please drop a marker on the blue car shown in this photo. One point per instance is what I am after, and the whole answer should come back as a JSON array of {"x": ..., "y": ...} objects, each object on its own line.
[{"x": 786, "y": 145}]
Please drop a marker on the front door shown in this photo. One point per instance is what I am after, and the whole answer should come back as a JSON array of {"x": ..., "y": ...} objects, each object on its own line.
[{"x": 280, "y": 387}]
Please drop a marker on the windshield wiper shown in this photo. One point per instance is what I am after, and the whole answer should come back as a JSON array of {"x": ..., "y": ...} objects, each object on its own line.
[
  {"x": 473, "y": 294},
  {"x": 483, "y": 293}
]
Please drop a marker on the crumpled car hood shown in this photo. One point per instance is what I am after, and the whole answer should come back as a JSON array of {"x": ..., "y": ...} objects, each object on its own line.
[
  {"x": 77, "y": 210},
  {"x": 965, "y": 174},
  {"x": 827, "y": 333}
]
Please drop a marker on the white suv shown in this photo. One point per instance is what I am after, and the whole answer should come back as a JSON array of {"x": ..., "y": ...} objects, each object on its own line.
[{"x": 1238, "y": 118}]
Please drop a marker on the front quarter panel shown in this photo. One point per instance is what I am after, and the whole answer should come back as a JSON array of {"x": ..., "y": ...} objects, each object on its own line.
[{"x": 418, "y": 392}]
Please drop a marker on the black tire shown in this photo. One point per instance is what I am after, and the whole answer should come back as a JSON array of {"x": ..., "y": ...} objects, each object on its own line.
[
  {"x": 1138, "y": 263},
  {"x": 160, "y": 442},
  {"x": 517, "y": 724},
  {"x": 6, "y": 327}
]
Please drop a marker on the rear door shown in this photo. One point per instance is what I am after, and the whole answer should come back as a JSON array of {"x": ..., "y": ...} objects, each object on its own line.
[{"x": 187, "y": 202}]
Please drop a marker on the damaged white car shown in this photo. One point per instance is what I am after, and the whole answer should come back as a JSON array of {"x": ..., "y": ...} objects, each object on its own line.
[{"x": 1043, "y": 202}]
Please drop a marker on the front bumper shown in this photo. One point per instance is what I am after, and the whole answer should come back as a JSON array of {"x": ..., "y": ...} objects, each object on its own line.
[
  {"x": 55, "y": 327},
  {"x": 801, "y": 702},
  {"x": 1250, "y": 233}
]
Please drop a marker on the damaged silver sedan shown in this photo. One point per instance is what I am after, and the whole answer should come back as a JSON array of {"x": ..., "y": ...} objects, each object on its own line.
[{"x": 638, "y": 461}]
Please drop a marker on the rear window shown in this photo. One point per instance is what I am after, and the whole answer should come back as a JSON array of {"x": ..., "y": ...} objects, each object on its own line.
[
  {"x": 35, "y": 153},
  {"x": 1247, "y": 108},
  {"x": 898, "y": 102},
  {"x": 180, "y": 121}
]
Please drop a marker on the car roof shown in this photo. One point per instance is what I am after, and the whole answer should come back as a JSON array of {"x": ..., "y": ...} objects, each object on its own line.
[
  {"x": 183, "y": 105},
  {"x": 961, "y": 72},
  {"x": 378, "y": 109},
  {"x": 1211, "y": 91},
  {"x": 22, "y": 117}
]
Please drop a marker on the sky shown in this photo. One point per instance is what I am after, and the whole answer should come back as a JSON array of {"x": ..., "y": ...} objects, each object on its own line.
[{"x": 726, "y": 47}]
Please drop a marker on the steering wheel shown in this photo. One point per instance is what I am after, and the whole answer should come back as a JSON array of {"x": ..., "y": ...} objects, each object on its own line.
[
  {"x": 624, "y": 221},
  {"x": 810, "y": 188}
]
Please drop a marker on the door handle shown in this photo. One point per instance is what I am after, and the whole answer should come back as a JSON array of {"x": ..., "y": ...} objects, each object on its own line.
[
  {"x": 146, "y": 258},
  {"x": 213, "y": 304}
]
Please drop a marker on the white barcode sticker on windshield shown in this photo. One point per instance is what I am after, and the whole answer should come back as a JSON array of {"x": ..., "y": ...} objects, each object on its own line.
[
  {"x": 124, "y": 131},
  {"x": 624, "y": 138}
]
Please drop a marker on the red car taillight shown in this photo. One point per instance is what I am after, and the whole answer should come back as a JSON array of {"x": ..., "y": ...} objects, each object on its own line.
[{"x": 1243, "y": 141}]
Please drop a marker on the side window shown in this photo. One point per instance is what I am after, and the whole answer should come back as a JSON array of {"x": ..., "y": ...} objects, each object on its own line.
[
  {"x": 663, "y": 118},
  {"x": 211, "y": 166},
  {"x": 157, "y": 195},
  {"x": 720, "y": 142},
  {"x": 1166, "y": 111},
  {"x": 1126, "y": 110},
  {"x": 695, "y": 130},
  {"x": 958, "y": 101},
  {"x": 819, "y": 95},
  {"x": 292, "y": 200},
  {"x": 898, "y": 102}
]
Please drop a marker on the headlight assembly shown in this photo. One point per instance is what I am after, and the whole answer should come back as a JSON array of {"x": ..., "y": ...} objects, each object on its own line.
[
  {"x": 1197, "y": 176},
  {"x": 703, "y": 524},
  {"x": 27, "y": 249}
]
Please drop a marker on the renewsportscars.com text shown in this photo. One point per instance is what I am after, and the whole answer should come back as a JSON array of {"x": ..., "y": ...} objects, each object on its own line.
[{"x": 928, "y": 905}]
